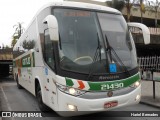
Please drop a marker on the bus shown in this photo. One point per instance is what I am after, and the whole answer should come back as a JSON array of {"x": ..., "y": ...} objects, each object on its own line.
[{"x": 79, "y": 57}]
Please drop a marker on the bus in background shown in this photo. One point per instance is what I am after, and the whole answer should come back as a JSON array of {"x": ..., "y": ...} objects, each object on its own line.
[{"x": 79, "y": 57}]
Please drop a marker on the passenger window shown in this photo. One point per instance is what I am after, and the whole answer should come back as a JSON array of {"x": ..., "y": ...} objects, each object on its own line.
[{"x": 48, "y": 50}]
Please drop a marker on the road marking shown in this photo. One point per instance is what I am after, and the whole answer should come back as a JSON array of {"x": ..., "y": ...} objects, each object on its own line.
[
  {"x": 7, "y": 102},
  {"x": 5, "y": 97}
]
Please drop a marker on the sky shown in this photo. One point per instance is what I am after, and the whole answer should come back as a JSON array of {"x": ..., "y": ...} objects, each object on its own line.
[{"x": 14, "y": 11}]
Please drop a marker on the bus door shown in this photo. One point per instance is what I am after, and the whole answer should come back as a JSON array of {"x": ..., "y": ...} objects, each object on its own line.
[{"x": 50, "y": 86}]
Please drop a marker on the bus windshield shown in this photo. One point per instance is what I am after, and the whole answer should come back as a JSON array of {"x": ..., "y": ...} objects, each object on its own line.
[{"x": 84, "y": 36}]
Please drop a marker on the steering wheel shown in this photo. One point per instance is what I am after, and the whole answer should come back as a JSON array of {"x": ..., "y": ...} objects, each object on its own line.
[{"x": 83, "y": 57}]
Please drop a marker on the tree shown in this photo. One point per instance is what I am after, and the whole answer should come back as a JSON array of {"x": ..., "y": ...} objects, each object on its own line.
[
  {"x": 142, "y": 9},
  {"x": 2, "y": 46},
  {"x": 129, "y": 4},
  {"x": 7, "y": 47},
  {"x": 120, "y": 4},
  {"x": 117, "y": 4},
  {"x": 18, "y": 30},
  {"x": 30, "y": 44},
  {"x": 17, "y": 34},
  {"x": 141, "y": 6},
  {"x": 126, "y": 3},
  {"x": 14, "y": 41},
  {"x": 154, "y": 7}
]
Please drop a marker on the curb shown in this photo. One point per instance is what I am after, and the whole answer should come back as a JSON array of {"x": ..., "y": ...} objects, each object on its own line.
[{"x": 145, "y": 103}]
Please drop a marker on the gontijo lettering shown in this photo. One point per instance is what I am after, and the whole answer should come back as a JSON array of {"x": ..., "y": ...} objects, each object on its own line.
[{"x": 26, "y": 61}]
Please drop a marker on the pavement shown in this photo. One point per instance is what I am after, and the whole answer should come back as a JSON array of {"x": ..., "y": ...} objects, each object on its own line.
[
  {"x": 0, "y": 100},
  {"x": 147, "y": 93}
]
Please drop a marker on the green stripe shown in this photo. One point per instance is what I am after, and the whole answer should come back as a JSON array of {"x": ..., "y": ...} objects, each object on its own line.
[
  {"x": 33, "y": 59},
  {"x": 97, "y": 86},
  {"x": 69, "y": 82},
  {"x": 126, "y": 82}
]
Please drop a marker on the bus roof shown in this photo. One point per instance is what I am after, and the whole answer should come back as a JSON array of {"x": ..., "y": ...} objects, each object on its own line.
[
  {"x": 82, "y": 5},
  {"x": 72, "y": 4}
]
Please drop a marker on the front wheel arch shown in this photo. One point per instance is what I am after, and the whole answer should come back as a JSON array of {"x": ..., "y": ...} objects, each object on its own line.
[
  {"x": 38, "y": 94},
  {"x": 17, "y": 81}
]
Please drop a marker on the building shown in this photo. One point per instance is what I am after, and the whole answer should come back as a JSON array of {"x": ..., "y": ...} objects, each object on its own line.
[
  {"x": 149, "y": 20},
  {"x": 148, "y": 16}
]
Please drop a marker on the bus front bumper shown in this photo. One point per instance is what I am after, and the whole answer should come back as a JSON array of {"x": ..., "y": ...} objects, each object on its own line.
[{"x": 84, "y": 106}]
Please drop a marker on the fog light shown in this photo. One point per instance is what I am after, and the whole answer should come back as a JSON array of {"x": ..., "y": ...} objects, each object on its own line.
[
  {"x": 72, "y": 107},
  {"x": 138, "y": 97}
]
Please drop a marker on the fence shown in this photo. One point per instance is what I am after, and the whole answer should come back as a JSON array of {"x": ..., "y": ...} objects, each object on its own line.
[
  {"x": 150, "y": 63},
  {"x": 150, "y": 69}
]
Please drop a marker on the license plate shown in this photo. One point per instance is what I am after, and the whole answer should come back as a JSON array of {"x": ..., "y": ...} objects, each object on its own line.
[{"x": 110, "y": 104}]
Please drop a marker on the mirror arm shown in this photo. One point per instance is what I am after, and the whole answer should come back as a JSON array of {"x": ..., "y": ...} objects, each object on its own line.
[
  {"x": 145, "y": 31},
  {"x": 52, "y": 23}
]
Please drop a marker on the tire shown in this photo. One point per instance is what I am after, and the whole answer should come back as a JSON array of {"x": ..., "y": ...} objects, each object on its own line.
[
  {"x": 41, "y": 105},
  {"x": 18, "y": 85}
]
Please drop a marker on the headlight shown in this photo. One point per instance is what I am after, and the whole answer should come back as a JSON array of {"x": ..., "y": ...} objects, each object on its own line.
[
  {"x": 136, "y": 84},
  {"x": 70, "y": 90}
]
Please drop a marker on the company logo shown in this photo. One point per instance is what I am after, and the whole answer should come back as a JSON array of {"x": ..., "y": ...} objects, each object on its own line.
[
  {"x": 110, "y": 94},
  {"x": 21, "y": 114},
  {"x": 26, "y": 61},
  {"x": 6, "y": 114}
]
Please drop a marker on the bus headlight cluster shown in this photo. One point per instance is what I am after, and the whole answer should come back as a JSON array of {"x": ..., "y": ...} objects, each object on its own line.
[
  {"x": 70, "y": 90},
  {"x": 136, "y": 84}
]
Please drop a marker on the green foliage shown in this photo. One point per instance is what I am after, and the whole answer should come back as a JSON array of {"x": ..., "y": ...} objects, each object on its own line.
[
  {"x": 128, "y": 4},
  {"x": 14, "y": 41},
  {"x": 7, "y": 46},
  {"x": 18, "y": 30},
  {"x": 28, "y": 44},
  {"x": 17, "y": 34},
  {"x": 117, "y": 4}
]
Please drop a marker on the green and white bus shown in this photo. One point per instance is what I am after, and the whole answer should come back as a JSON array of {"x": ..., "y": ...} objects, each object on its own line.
[{"x": 79, "y": 57}]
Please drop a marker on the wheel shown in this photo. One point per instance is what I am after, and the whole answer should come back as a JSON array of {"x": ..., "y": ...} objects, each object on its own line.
[
  {"x": 41, "y": 105},
  {"x": 18, "y": 85}
]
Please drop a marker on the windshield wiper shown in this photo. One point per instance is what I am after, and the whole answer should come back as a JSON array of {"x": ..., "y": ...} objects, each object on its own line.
[
  {"x": 97, "y": 53},
  {"x": 109, "y": 51}
]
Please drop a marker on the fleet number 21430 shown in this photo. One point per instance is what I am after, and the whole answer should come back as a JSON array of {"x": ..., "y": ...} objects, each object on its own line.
[{"x": 112, "y": 86}]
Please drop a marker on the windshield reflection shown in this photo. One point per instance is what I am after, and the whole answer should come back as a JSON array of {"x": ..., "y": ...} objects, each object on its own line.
[{"x": 83, "y": 44}]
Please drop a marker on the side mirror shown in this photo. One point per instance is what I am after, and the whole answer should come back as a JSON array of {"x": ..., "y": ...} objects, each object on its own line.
[
  {"x": 52, "y": 23},
  {"x": 145, "y": 31}
]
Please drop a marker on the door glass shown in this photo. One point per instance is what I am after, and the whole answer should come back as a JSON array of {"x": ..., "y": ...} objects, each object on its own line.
[{"x": 48, "y": 50}]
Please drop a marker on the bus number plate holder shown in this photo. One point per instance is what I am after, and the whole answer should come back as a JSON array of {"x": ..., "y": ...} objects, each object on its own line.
[{"x": 110, "y": 104}]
